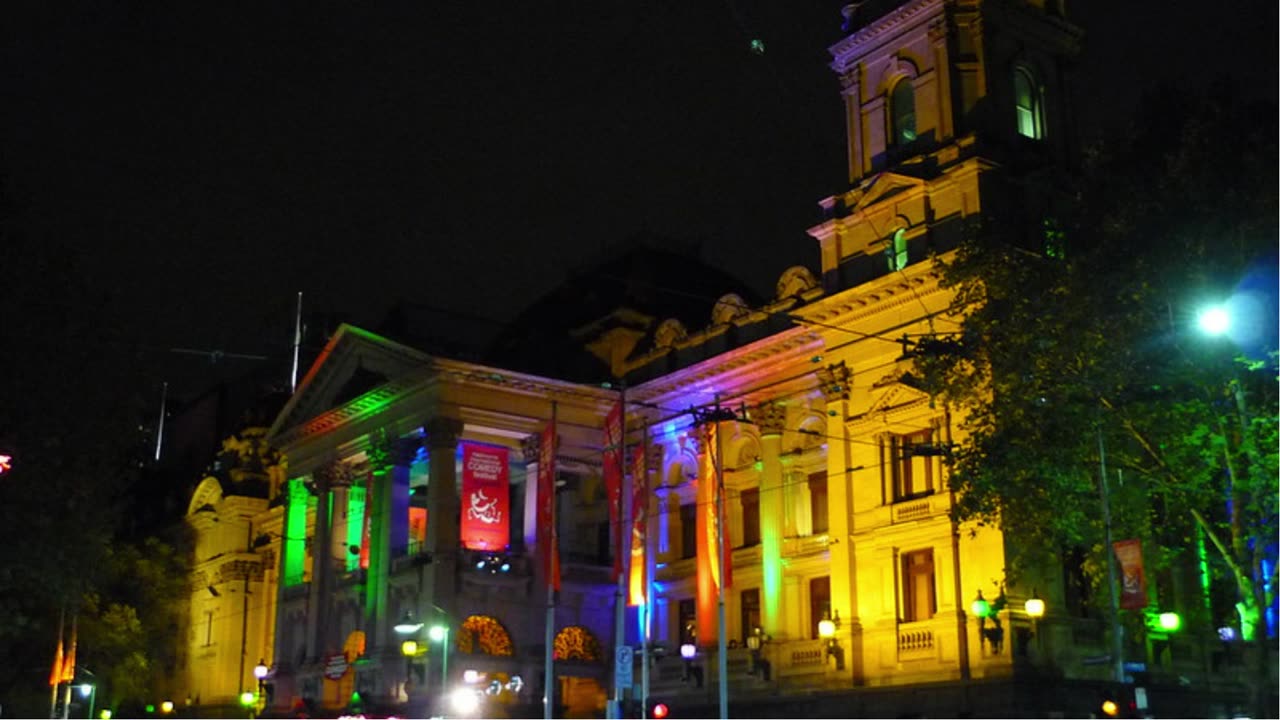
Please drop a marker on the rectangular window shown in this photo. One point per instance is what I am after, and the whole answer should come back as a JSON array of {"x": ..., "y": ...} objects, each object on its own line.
[
  {"x": 919, "y": 601},
  {"x": 818, "y": 501},
  {"x": 688, "y": 629},
  {"x": 750, "y": 600},
  {"x": 819, "y": 602},
  {"x": 909, "y": 463},
  {"x": 689, "y": 530},
  {"x": 750, "y": 517},
  {"x": 208, "y": 627}
]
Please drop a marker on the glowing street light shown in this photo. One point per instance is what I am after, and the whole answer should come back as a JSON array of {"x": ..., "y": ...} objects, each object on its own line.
[
  {"x": 440, "y": 634},
  {"x": 1214, "y": 320}
]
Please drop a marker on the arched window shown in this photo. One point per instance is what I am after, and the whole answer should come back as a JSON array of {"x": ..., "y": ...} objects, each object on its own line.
[
  {"x": 896, "y": 251},
  {"x": 902, "y": 109},
  {"x": 1028, "y": 99}
]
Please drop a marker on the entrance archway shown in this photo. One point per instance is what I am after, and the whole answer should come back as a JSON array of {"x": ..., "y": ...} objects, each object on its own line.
[{"x": 582, "y": 697}]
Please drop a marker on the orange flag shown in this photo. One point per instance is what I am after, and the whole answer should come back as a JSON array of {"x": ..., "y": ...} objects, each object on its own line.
[
  {"x": 69, "y": 663},
  {"x": 55, "y": 675}
]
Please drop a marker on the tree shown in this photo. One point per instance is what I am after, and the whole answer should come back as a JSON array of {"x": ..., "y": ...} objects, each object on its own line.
[{"x": 1078, "y": 349}]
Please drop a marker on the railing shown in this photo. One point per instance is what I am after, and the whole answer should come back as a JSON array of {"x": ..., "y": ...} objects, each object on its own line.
[
  {"x": 906, "y": 512},
  {"x": 915, "y": 642}
]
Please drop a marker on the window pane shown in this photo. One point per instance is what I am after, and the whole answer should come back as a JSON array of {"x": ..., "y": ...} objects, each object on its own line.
[
  {"x": 750, "y": 600},
  {"x": 1026, "y": 100},
  {"x": 750, "y": 517},
  {"x": 904, "y": 112},
  {"x": 688, "y": 531},
  {"x": 819, "y": 602},
  {"x": 818, "y": 502},
  {"x": 919, "y": 601}
]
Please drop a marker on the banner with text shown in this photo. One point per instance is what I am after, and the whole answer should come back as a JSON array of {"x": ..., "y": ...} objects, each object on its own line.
[{"x": 486, "y": 499}]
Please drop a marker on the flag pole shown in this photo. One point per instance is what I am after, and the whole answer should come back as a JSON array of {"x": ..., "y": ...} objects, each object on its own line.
[
  {"x": 548, "y": 677},
  {"x": 645, "y": 615},
  {"x": 297, "y": 344},
  {"x": 619, "y": 595},
  {"x": 723, "y": 663}
]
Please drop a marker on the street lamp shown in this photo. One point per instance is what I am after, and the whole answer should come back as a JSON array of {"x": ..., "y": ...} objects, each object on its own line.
[
  {"x": 827, "y": 628},
  {"x": 755, "y": 642},
  {"x": 90, "y": 691},
  {"x": 1035, "y": 610},
  {"x": 440, "y": 634},
  {"x": 260, "y": 672},
  {"x": 688, "y": 652},
  {"x": 406, "y": 628}
]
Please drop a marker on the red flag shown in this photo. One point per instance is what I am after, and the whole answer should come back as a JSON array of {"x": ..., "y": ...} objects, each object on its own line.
[
  {"x": 55, "y": 674},
  {"x": 638, "y": 581},
  {"x": 613, "y": 481},
  {"x": 69, "y": 663},
  {"x": 548, "y": 543},
  {"x": 1133, "y": 581}
]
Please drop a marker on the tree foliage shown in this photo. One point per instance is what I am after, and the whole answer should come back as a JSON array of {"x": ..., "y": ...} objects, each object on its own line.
[{"x": 1078, "y": 348}]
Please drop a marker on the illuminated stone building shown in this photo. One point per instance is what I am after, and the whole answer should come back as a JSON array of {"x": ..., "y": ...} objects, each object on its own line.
[{"x": 805, "y": 406}]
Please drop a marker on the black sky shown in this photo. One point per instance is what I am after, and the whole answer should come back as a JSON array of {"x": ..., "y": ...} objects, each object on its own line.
[{"x": 205, "y": 162}]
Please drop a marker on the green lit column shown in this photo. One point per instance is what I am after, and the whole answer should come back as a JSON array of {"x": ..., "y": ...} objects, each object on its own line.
[
  {"x": 389, "y": 460},
  {"x": 771, "y": 419}
]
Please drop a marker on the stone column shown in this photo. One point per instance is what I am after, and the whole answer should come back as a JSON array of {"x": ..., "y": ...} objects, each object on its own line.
[
  {"x": 834, "y": 382},
  {"x": 389, "y": 460},
  {"x": 529, "y": 447},
  {"x": 443, "y": 507},
  {"x": 321, "y": 564},
  {"x": 772, "y": 419}
]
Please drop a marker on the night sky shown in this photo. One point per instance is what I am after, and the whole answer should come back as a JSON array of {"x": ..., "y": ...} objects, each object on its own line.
[{"x": 204, "y": 162}]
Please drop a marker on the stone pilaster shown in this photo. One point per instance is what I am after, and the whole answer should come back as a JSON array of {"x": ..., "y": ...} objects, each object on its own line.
[{"x": 771, "y": 418}]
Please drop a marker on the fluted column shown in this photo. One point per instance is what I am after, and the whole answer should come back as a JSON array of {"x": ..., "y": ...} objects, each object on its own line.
[
  {"x": 529, "y": 447},
  {"x": 443, "y": 507},
  {"x": 771, "y": 419}
]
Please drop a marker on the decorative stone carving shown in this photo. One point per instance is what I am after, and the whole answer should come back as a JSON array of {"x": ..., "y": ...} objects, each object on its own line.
[
  {"x": 728, "y": 308},
  {"x": 669, "y": 332},
  {"x": 332, "y": 475},
  {"x": 386, "y": 452},
  {"x": 770, "y": 417},
  {"x": 834, "y": 381},
  {"x": 795, "y": 281},
  {"x": 442, "y": 432}
]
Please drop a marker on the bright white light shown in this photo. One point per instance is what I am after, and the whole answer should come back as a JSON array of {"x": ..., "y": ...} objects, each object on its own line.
[
  {"x": 438, "y": 633},
  {"x": 1215, "y": 321},
  {"x": 470, "y": 676},
  {"x": 465, "y": 700},
  {"x": 85, "y": 690}
]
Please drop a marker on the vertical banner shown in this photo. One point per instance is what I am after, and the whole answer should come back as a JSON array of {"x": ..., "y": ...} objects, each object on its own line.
[
  {"x": 55, "y": 675},
  {"x": 69, "y": 662},
  {"x": 638, "y": 578},
  {"x": 1133, "y": 581},
  {"x": 486, "y": 498},
  {"x": 613, "y": 482},
  {"x": 548, "y": 543}
]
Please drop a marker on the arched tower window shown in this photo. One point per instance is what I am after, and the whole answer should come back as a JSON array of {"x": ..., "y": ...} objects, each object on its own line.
[
  {"x": 1028, "y": 99},
  {"x": 896, "y": 251},
  {"x": 902, "y": 110}
]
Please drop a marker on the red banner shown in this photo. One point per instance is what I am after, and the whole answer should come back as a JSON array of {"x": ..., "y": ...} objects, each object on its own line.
[
  {"x": 548, "y": 543},
  {"x": 613, "y": 481},
  {"x": 486, "y": 499},
  {"x": 638, "y": 579},
  {"x": 1133, "y": 581}
]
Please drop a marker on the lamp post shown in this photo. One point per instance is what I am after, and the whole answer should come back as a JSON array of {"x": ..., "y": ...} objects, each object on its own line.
[
  {"x": 440, "y": 634},
  {"x": 260, "y": 672},
  {"x": 406, "y": 629},
  {"x": 755, "y": 643},
  {"x": 90, "y": 691},
  {"x": 827, "y": 628},
  {"x": 1035, "y": 610},
  {"x": 688, "y": 652}
]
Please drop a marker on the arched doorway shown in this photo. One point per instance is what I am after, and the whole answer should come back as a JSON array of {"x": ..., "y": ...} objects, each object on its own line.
[{"x": 582, "y": 697}]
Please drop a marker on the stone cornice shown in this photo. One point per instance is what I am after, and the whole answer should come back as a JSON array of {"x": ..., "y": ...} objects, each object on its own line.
[
  {"x": 885, "y": 24},
  {"x": 849, "y": 307}
]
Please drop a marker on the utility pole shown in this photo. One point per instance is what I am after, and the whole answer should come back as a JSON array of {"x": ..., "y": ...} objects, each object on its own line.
[{"x": 1117, "y": 631}]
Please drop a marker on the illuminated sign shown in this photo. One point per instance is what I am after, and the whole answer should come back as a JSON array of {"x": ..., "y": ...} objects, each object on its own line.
[{"x": 486, "y": 518}]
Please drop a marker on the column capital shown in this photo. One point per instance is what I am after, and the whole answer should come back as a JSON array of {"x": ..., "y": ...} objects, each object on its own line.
[
  {"x": 938, "y": 30},
  {"x": 834, "y": 381},
  {"x": 331, "y": 475},
  {"x": 386, "y": 451},
  {"x": 530, "y": 447},
  {"x": 442, "y": 432},
  {"x": 770, "y": 417}
]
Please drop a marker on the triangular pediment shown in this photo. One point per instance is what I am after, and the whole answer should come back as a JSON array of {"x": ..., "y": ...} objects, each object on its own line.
[
  {"x": 884, "y": 187},
  {"x": 353, "y": 362}
]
